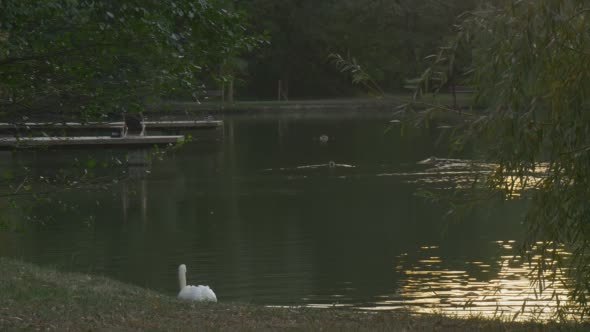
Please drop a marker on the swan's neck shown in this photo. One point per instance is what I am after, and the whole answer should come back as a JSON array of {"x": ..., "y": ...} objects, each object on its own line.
[{"x": 182, "y": 278}]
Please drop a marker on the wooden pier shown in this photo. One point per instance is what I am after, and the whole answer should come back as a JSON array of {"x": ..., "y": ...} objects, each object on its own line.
[
  {"x": 21, "y": 135},
  {"x": 184, "y": 124},
  {"x": 61, "y": 125},
  {"x": 97, "y": 141}
]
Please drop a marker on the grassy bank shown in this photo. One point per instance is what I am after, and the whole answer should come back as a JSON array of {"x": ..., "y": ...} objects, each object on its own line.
[{"x": 32, "y": 297}]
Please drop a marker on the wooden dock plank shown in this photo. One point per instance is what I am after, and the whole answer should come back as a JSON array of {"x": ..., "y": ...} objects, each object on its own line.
[
  {"x": 63, "y": 125},
  {"x": 183, "y": 124},
  {"x": 28, "y": 142},
  {"x": 112, "y": 125}
]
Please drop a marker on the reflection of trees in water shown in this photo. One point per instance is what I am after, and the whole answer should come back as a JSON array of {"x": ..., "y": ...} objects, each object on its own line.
[{"x": 42, "y": 184}]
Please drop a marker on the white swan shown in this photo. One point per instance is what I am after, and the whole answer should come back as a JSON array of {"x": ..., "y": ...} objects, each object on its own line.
[{"x": 193, "y": 293}]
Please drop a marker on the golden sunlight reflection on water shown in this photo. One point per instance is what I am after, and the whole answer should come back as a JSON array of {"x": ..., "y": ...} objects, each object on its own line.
[
  {"x": 500, "y": 289},
  {"x": 503, "y": 289}
]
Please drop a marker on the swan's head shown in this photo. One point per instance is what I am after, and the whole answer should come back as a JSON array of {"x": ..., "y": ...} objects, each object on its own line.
[{"x": 182, "y": 268}]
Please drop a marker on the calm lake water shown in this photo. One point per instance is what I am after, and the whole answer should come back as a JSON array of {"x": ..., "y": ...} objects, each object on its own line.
[{"x": 312, "y": 211}]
